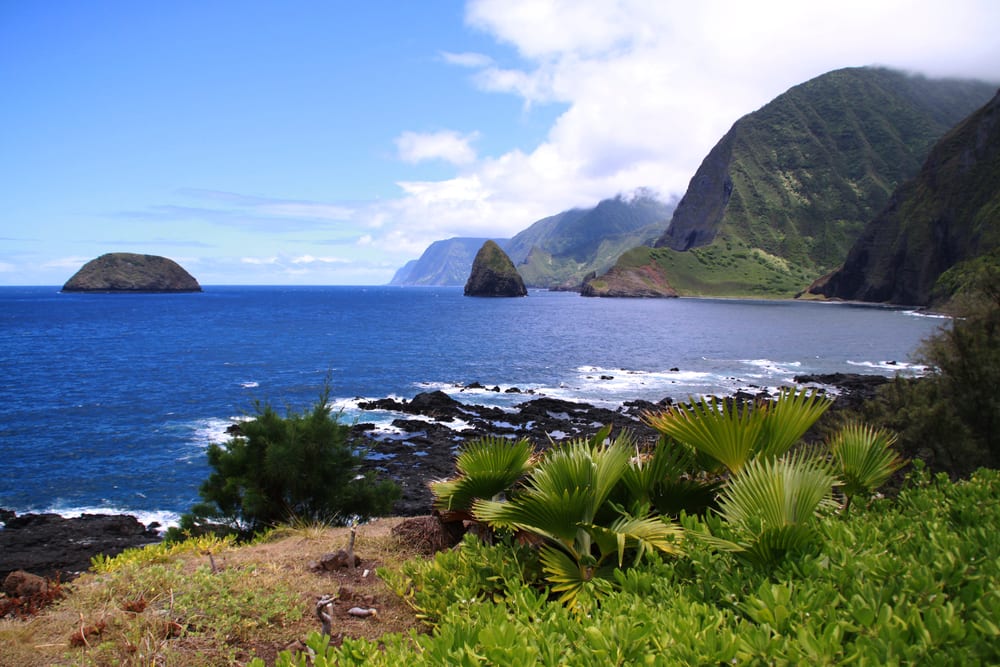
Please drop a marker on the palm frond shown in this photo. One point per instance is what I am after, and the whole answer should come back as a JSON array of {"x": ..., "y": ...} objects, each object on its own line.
[
  {"x": 770, "y": 496},
  {"x": 487, "y": 466},
  {"x": 566, "y": 575},
  {"x": 864, "y": 458},
  {"x": 788, "y": 418},
  {"x": 777, "y": 492},
  {"x": 725, "y": 431},
  {"x": 645, "y": 534}
]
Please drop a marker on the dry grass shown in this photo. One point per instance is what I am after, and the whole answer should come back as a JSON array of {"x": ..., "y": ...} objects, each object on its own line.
[{"x": 260, "y": 600}]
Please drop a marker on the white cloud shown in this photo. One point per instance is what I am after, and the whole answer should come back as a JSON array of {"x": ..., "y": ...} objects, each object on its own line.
[
  {"x": 467, "y": 59},
  {"x": 309, "y": 259},
  {"x": 445, "y": 145}
]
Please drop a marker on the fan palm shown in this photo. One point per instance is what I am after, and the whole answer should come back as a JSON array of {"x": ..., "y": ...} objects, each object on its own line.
[
  {"x": 734, "y": 434},
  {"x": 669, "y": 479},
  {"x": 562, "y": 501},
  {"x": 864, "y": 459},
  {"x": 770, "y": 503},
  {"x": 487, "y": 466}
]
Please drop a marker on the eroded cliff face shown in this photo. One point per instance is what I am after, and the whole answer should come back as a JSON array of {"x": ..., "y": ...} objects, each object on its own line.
[
  {"x": 493, "y": 274},
  {"x": 130, "y": 272},
  {"x": 946, "y": 216},
  {"x": 698, "y": 216}
]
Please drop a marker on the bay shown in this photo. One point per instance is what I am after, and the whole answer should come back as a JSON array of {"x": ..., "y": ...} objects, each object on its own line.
[{"x": 107, "y": 401}]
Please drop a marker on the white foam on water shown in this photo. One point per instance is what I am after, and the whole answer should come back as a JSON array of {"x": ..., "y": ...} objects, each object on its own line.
[
  {"x": 250, "y": 384},
  {"x": 771, "y": 368},
  {"x": 893, "y": 366},
  {"x": 927, "y": 314},
  {"x": 145, "y": 517}
]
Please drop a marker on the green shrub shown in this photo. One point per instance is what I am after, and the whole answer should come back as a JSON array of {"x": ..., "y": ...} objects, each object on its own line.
[
  {"x": 952, "y": 416},
  {"x": 303, "y": 466}
]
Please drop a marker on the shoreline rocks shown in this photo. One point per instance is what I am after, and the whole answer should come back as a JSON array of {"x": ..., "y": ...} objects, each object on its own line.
[{"x": 51, "y": 546}]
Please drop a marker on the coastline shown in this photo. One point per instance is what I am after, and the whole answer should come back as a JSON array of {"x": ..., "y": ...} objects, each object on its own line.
[{"x": 426, "y": 436}]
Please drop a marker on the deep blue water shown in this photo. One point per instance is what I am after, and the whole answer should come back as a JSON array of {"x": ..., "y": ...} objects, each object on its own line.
[{"x": 107, "y": 401}]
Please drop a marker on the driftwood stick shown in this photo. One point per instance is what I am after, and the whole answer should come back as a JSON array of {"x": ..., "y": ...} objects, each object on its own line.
[
  {"x": 350, "y": 545},
  {"x": 324, "y": 612}
]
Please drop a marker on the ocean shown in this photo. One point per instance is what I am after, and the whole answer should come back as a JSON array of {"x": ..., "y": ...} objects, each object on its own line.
[{"x": 108, "y": 401}]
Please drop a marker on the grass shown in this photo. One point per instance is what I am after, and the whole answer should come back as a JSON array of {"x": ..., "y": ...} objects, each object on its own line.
[{"x": 212, "y": 603}]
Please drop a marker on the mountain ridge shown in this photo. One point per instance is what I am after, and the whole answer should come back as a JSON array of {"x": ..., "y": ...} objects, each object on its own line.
[
  {"x": 938, "y": 225},
  {"x": 779, "y": 200}
]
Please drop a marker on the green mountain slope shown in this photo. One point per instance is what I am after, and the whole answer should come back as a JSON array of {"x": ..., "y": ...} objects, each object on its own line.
[
  {"x": 785, "y": 193},
  {"x": 936, "y": 228}
]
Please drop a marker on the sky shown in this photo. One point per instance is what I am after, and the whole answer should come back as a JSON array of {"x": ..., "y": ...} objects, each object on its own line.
[{"x": 329, "y": 142}]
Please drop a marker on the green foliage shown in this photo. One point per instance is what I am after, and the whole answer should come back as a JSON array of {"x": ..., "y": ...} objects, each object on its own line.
[
  {"x": 487, "y": 467},
  {"x": 734, "y": 434},
  {"x": 771, "y": 504},
  {"x": 565, "y": 502},
  {"x": 864, "y": 459},
  {"x": 952, "y": 415},
  {"x": 160, "y": 552},
  {"x": 669, "y": 479},
  {"x": 302, "y": 466},
  {"x": 905, "y": 582}
]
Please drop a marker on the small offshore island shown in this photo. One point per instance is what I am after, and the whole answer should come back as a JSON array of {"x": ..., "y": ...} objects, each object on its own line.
[{"x": 131, "y": 272}]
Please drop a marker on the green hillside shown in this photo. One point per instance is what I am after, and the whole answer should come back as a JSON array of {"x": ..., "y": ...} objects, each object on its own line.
[
  {"x": 786, "y": 192},
  {"x": 938, "y": 229}
]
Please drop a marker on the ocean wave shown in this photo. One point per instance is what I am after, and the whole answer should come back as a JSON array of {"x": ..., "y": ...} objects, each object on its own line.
[
  {"x": 927, "y": 314},
  {"x": 164, "y": 518},
  {"x": 895, "y": 366}
]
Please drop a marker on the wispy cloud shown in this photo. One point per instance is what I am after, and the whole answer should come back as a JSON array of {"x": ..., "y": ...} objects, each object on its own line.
[
  {"x": 445, "y": 145},
  {"x": 466, "y": 59},
  {"x": 232, "y": 209}
]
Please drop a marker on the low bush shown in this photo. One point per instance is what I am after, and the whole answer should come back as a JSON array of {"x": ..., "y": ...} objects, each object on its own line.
[{"x": 910, "y": 581}]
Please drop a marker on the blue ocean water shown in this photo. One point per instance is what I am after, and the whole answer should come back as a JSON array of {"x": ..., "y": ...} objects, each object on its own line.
[{"x": 107, "y": 401}]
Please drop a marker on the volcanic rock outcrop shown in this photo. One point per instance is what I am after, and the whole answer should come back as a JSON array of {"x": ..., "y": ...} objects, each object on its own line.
[
  {"x": 493, "y": 274},
  {"x": 130, "y": 272}
]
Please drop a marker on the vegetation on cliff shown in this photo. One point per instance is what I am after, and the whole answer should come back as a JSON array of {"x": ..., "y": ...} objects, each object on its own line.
[
  {"x": 795, "y": 182},
  {"x": 555, "y": 252},
  {"x": 445, "y": 262},
  {"x": 558, "y": 252},
  {"x": 130, "y": 272},
  {"x": 944, "y": 221},
  {"x": 630, "y": 277}
]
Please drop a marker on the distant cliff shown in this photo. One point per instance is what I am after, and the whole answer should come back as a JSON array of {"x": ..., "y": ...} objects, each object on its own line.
[
  {"x": 559, "y": 251},
  {"x": 944, "y": 220},
  {"x": 554, "y": 252},
  {"x": 445, "y": 262},
  {"x": 493, "y": 274},
  {"x": 786, "y": 192},
  {"x": 129, "y": 272}
]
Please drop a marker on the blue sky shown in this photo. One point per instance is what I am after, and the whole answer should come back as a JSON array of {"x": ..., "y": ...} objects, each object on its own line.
[{"x": 330, "y": 142}]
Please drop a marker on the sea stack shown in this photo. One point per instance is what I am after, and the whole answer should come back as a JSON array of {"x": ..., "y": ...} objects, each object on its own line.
[
  {"x": 493, "y": 274},
  {"x": 129, "y": 272}
]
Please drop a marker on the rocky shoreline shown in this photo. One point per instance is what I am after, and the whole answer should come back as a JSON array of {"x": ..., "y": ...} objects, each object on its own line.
[
  {"x": 428, "y": 432},
  {"x": 434, "y": 424}
]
